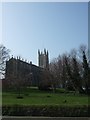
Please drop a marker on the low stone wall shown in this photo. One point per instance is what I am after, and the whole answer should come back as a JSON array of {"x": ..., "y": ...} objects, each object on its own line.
[{"x": 45, "y": 118}]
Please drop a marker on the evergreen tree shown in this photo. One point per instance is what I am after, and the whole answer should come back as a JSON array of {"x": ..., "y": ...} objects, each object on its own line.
[{"x": 86, "y": 72}]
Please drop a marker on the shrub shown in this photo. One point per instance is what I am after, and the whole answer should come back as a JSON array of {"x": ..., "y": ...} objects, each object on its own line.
[{"x": 48, "y": 110}]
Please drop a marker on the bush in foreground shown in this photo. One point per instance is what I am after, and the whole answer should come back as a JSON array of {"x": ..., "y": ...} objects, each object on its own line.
[{"x": 44, "y": 110}]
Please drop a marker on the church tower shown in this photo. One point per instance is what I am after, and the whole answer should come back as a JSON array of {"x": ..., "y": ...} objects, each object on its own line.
[{"x": 43, "y": 60}]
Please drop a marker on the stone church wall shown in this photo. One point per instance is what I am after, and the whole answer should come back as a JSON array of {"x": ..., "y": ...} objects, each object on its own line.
[{"x": 17, "y": 69}]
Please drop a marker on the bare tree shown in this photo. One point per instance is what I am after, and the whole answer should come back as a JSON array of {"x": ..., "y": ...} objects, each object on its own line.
[
  {"x": 4, "y": 55},
  {"x": 62, "y": 70},
  {"x": 54, "y": 71},
  {"x": 45, "y": 80}
]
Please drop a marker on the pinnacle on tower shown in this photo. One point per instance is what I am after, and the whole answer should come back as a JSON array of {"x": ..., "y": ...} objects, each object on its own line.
[
  {"x": 41, "y": 52},
  {"x": 47, "y": 52},
  {"x": 38, "y": 51},
  {"x": 44, "y": 51}
]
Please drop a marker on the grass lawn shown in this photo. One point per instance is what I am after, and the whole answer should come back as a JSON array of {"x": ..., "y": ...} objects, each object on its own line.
[{"x": 36, "y": 97}]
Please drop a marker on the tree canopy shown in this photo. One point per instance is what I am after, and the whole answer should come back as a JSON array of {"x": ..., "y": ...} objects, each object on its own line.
[{"x": 72, "y": 70}]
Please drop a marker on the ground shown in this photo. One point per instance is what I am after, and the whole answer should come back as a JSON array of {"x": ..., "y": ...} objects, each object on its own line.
[{"x": 33, "y": 96}]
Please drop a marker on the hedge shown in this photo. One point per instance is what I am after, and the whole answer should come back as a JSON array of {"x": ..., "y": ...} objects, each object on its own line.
[{"x": 45, "y": 110}]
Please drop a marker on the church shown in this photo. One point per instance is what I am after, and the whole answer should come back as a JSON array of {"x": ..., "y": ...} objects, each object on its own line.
[{"x": 20, "y": 71}]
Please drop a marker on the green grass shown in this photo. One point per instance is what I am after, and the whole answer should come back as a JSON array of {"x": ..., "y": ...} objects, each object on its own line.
[{"x": 36, "y": 97}]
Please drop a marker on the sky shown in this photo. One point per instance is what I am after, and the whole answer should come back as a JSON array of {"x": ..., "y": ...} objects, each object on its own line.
[{"x": 58, "y": 27}]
